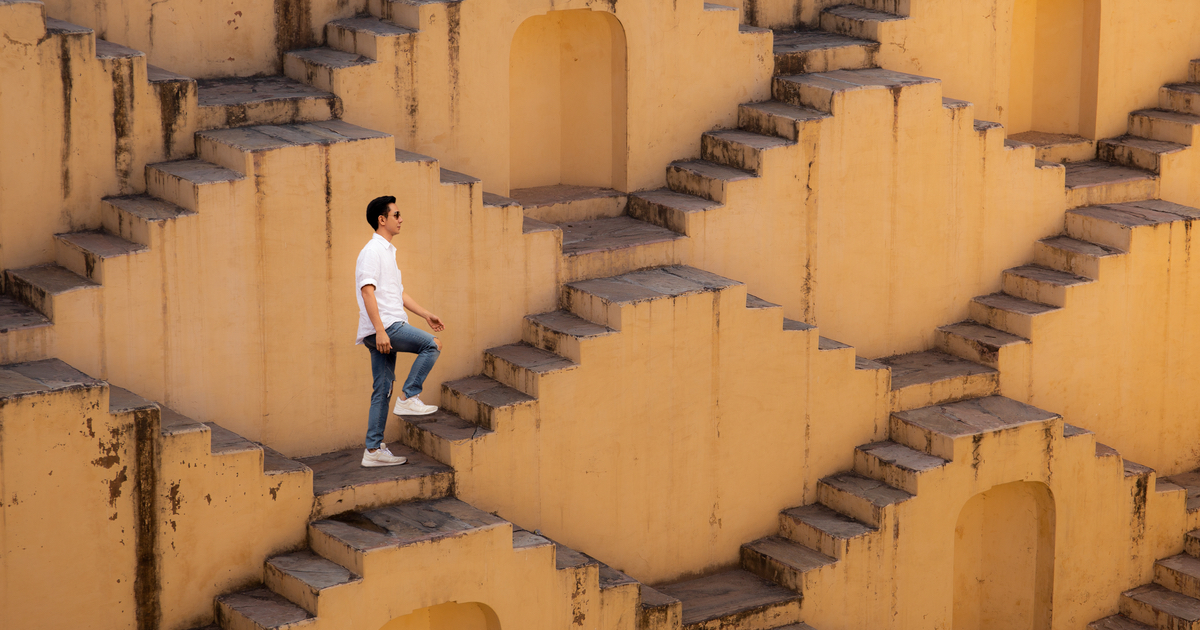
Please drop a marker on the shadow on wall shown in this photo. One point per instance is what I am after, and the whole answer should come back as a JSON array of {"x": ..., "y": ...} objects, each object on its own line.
[
  {"x": 1004, "y": 559},
  {"x": 448, "y": 616},
  {"x": 567, "y": 101},
  {"x": 1050, "y": 67}
]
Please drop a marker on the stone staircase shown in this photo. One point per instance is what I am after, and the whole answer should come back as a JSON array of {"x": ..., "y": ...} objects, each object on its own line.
[{"x": 1171, "y": 601}]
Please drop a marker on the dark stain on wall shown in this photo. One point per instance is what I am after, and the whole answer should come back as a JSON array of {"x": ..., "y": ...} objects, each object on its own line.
[
  {"x": 453, "y": 26},
  {"x": 171, "y": 98},
  {"x": 67, "y": 84},
  {"x": 293, "y": 27},
  {"x": 123, "y": 105},
  {"x": 147, "y": 583}
]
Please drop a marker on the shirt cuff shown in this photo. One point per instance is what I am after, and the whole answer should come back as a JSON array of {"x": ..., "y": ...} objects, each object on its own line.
[{"x": 365, "y": 281}]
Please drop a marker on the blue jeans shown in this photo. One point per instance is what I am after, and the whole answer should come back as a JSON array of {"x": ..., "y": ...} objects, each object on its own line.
[{"x": 405, "y": 338}]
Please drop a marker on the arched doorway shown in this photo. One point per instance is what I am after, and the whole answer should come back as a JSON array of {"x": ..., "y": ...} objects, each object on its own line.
[
  {"x": 448, "y": 616},
  {"x": 567, "y": 101},
  {"x": 1004, "y": 559}
]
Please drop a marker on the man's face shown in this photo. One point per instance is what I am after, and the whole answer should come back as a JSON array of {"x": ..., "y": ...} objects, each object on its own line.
[{"x": 392, "y": 220}]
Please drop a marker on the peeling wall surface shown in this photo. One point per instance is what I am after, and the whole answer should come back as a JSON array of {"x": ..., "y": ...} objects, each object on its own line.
[{"x": 855, "y": 313}]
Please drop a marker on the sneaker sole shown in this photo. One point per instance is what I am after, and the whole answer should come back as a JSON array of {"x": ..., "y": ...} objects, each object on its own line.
[
  {"x": 382, "y": 464},
  {"x": 414, "y": 413}
]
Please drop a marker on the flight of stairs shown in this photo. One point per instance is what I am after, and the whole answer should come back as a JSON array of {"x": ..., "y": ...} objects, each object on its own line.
[{"x": 1170, "y": 602}]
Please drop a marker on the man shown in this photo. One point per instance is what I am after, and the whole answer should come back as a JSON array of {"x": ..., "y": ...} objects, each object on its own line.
[{"x": 384, "y": 329}]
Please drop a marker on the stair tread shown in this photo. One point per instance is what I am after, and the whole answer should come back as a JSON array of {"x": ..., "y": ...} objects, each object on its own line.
[
  {"x": 39, "y": 377},
  {"x": 109, "y": 50},
  {"x": 784, "y": 110},
  {"x": 447, "y": 426},
  {"x": 726, "y": 594},
  {"x": 197, "y": 171},
  {"x": 875, "y": 491},
  {"x": 790, "y": 41},
  {"x": 15, "y": 315},
  {"x": 903, "y": 457},
  {"x": 172, "y": 422},
  {"x": 608, "y": 234},
  {"x": 1190, "y": 482},
  {"x": 985, "y": 336},
  {"x": 1165, "y": 600},
  {"x": 1190, "y": 88},
  {"x": 52, "y": 278},
  {"x": 1182, "y": 563},
  {"x": 790, "y": 553},
  {"x": 1042, "y": 139},
  {"x": 1139, "y": 213},
  {"x": 922, "y": 368},
  {"x": 1118, "y": 622},
  {"x": 372, "y": 25},
  {"x": 148, "y": 208},
  {"x": 409, "y": 156},
  {"x": 530, "y": 358},
  {"x": 796, "y": 325},
  {"x": 677, "y": 200},
  {"x": 269, "y": 137},
  {"x": 749, "y": 138},
  {"x": 867, "y": 78},
  {"x": 1154, "y": 146},
  {"x": 829, "y": 520},
  {"x": 54, "y": 25},
  {"x": 855, "y": 12},
  {"x": 265, "y": 607},
  {"x": 1047, "y": 275},
  {"x": 448, "y": 176},
  {"x": 101, "y": 244},
  {"x": 568, "y": 558},
  {"x": 276, "y": 463},
  {"x": 1097, "y": 173},
  {"x": 155, "y": 74},
  {"x": 408, "y": 523},
  {"x": 498, "y": 201},
  {"x": 313, "y": 570},
  {"x": 489, "y": 392},
  {"x": 568, "y": 323},
  {"x": 1070, "y": 430},
  {"x": 612, "y": 578},
  {"x": 541, "y": 196},
  {"x": 1172, "y": 116},
  {"x": 825, "y": 343},
  {"x": 121, "y": 400},
  {"x": 1014, "y": 304},
  {"x": 330, "y": 58},
  {"x": 224, "y": 441},
  {"x": 653, "y": 598},
  {"x": 974, "y": 416},
  {"x": 1086, "y": 248},
  {"x": 343, "y": 469},
  {"x": 753, "y": 302},
  {"x": 712, "y": 170},
  {"x": 653, "y": 284},
  {"x": 248, "y": 90}
]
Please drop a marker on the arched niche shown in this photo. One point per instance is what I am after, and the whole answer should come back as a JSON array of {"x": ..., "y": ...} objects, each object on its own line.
[
  {"x": 567, "y": 101},
  {"x": 1004, "y": 559},
  {"x": 448, "y": 616},
  {"x": 1047, "y": 66}
]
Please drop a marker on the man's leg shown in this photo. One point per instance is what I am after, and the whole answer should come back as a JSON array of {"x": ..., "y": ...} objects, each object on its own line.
[
  {"x": 415, "y": 341},
  {"x": 383, "y": 373}
]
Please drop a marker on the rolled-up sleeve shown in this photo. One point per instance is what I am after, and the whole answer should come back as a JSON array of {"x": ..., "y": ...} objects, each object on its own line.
[{"x": 367, "y": 270}]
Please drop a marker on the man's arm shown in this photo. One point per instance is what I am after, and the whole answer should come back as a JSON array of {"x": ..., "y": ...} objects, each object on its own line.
[
  {"x": 435, "y": 322},
  {"x": 383, "y": 343}
]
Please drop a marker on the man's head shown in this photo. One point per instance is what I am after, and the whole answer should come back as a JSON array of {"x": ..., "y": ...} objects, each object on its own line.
[{"x": 383, "y": 215}]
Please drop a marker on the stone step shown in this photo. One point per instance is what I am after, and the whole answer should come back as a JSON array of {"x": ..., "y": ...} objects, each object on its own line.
[
  {"x": 439, "y": 433},
  {"x": 658, "y": 611},
  {"x": 85, "y": 252},
  {"x": 1060, "y": 148},
  {"x": 976, "y": 342},
  {"x": 409, "y": 13},
  {"x": 1155, "y": 605},
  {"x": 1161, "y": 124},
  {"x": 190, "y": 184},
  {"x": 1042, "y": 284},
  {"x": 348, "y": 539},
  {"x": 484, "y": 401},
  {"x": 302, "y": 577},
  {"x": 1190, "y": 482},
  {"x": 133, "y": 217},
  {"x": 858, "y": 21},
  {"x": 260, "y": 609},
  {"x": 1180, "y": 97},
  {"x": 562, "y": 203},
  {"x": 710, "y": 603},
  {"x": 600, "y": 300},
  {"x": 562, "y": 332},
  {"x": 108, "y": 50},
  {"x": 39, "y": 286},
  {"x": 341, "y": 483},
  {"x": 666, "y": 208},
  {"x": 1008, "y": 313},
  {"x": 824, "y": 529},
  {"x": 16, "y": 316},
  {"x": 1118, "y": 622},
  {"x": 868, "y": 500},
  {"x": 741, "y": 149},
  {"x": 1095, "y": 182},
  {"x": 1074, "y": 256},
  {"x": 803, "y": 51},
  {"x": 365, "y": 35},
  {"x": 895, "y": 464},
  {"x": 945, "y": 430},
  {"x": 897, "y": 7},
  {"x": 823, "y": 91},
  {"x": 237, "y": 148},
  {"x": 323, "y": 68},
  {"x": 784, "y": 562},
  {"x": 1113, "y": 225},
  {"x": 240, "y": 101},
  {"x": 1137, "y": 152},
  {"x": 222, "y": 441},
  {"x": 704, "y": 179},
  {"x": 607, "y": 247},
  {"x": 1180, "y": 573},
  {"x": 42, "y": 377},
  {"x": 776, "y": 118},
  {"x": 521, "y": 366},
  {"x": 920, "y": 379},
  {"x": 174, "y": 424},
  {"x": 1191, "y": 543}
]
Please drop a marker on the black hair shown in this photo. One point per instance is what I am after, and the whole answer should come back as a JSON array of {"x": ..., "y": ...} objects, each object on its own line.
[{"x": 378, "y": 208}]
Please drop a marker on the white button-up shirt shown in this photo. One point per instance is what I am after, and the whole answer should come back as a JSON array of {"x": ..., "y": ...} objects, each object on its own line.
[{"x": 377, "y": 266}]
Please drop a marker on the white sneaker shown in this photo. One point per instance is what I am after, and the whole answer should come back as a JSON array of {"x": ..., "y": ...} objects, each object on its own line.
[
  {"x": 381, "y": 457},
  {"x": 412, "y": 407}
]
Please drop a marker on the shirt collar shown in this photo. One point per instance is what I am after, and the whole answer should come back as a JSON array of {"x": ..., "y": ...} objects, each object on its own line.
[{"x": 386, "y": 243}]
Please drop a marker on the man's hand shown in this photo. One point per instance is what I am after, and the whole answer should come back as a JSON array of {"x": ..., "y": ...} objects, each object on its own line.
[
  {"x": 435, "y": 323},
  {"x": 383, "y": 343}
]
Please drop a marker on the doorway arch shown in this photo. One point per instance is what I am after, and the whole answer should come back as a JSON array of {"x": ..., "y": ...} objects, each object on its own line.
[{"x": 447, "y": 616}]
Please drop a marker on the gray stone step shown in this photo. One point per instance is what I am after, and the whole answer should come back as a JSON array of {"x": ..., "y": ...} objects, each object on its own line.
[
  {"x": 1042, "y": 284},
  {"x": 1008, "y": 313},
  {"x": 1137, "y": 152},
  {"x": 977, "y": 342},
  {"x": 1073, "y": 255},
  {"x": 302, "y": 577},
  {"x": 658, "y": 611},
  {"x": 741, "y": 149},
  {"x": 260, "y": 608},
  {"x": 317, "y": 66},
  {"x": 1161, "y": 124},
  {"x": 940, "y": 430},
  {"x": 777, "y": 118},
  {"x": 820, "y": 90},
  {"x": 483, "y": 400},
  {"x": 341, "y": 483},
  {"x": 1113, "y": 224},
  {"x": 1180, "y": 97},
  {"x": 121, "y": 400},
  {"x": 594, "y": 299},
  {"x": 705, "y": 179},
  {"x": 1095, "y": 182},
  {"x": 920, "y": 379},
  {"x": 562, "y": 332},
  {"x": 1056, "y": 147},
  {"x": 895, "y": 464},
  {"x": 42, "y": 377},
  {"x": 222, "y": 441},
  {"x": 185, "y": 182},
  {"x": 562, "y": 203},
  {"x": 238, "y": 101},
  {"x": 603, "y": 236},
  {"x": 802, "y": 51},
  {"x": 823, "y": 529},
  {"x": 437, "y": 433},
  {"x": 108, "y": 50},
  {"x": 38, "y": 286},
  {"x": 1155, "y": 605},
  {"x": 454, "y": 178},
  {"x": 132, "y": 216},
  {"x": 868, "y": 500},
  {"x": 364, "y": 35},
  {"x": 16, "y": 316},
  {"x": 858, "y": 21},
  {"x": 1180, "y": 573},
  {"x": 756, "y": 604},
  {"x": 667, "y": 208},
  {"x": 1190, "y": 482},
  {"x": 1118, "y": 622},
  {"x": 784, "y": 562},
  {"x": 521, "y": 366},
  {"x": 84, "y": 252}
]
